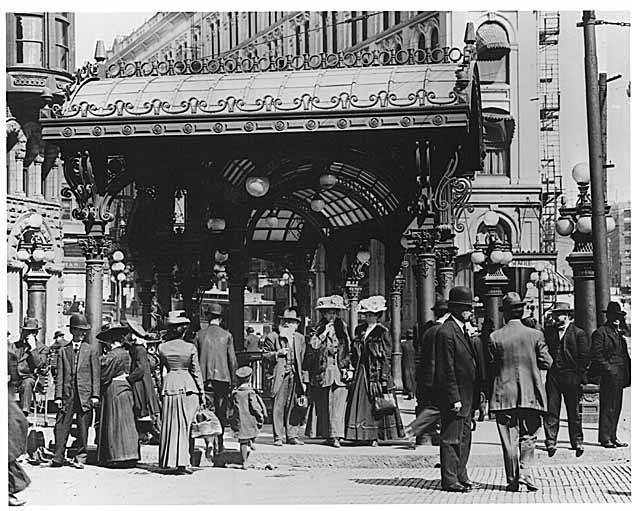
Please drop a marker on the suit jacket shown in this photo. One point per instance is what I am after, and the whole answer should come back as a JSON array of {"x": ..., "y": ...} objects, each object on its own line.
[
  {"x": 517, "y": 355},
  {"x": 82, "y": 373},
  {"x": 609, "y": 352},
  {"x": 459, "y": 369},
  {"x": 217, "y": 354},
  {"x": 302, "y": 376},
  {"x": 427, "y": 358},
  {"x": 577, "y": 348},
  {"x": 29, "y": 360}
]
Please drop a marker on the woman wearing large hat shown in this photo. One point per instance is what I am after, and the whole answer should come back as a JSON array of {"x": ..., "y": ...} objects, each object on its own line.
[
  {"x": 117, "y": 443},
  {"x": 182, "y": 393},
  {"x": 328, "y": 361},
  {"x": 371, "y": 357}
]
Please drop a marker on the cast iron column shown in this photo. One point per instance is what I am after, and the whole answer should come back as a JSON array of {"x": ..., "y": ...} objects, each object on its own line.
[
  {"x": 236, "y": 285},
  {"x": 36, "y": 289},
  {"x": 424, "y": 269},
  {"x": 396, "y": 330},
  {"x": 95, "y": 246},
  {"x": 164, "y": 274},
  {"x": 581, "y": 261},
  {"x": 353, "y": 294}
]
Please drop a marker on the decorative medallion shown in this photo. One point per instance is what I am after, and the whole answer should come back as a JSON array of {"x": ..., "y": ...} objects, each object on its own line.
[
  {"x": 342, "y": 123},
  {"x": 67, "y": 132},
  {"x": 438, "y": 120},
  {"x": 218, "y": 127},
  {"x": 187, "y": 128},
  {"x": 406, "y": 122},
  {"x": 156, "y": 129},
  {"x": 97, "y": 131},
  {"x": 127, "y": 130},
  {"x": 311, "y": 125},
  {"x": 374, "y": 122},
  {"x": 249, "y": 126},
  {"x": 279, "y": 126}
]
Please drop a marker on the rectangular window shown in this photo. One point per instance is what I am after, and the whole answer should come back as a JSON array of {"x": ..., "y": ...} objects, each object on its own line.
[
  {"x": 29, "y": 35},
  {"x": 496, "y": 162},
  {"x": 494, "y": 71},
  {"x": 61, "y": 44}
]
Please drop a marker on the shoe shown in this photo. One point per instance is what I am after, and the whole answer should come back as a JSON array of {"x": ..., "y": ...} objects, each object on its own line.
[
  {"x": 14, "y": 501},
  {"x": 456, "y": 488},
  {"x": 335, "y": 443},
  {"x": 45, "y": 454},
  {"x": 551, "y": 451},
  {"x": 609, "y": 445},
  {"x": 295, "y": 441},
  {"x": 528, "y": 483},
  {"x": 278, "y": 442},
  {"x": 514, "y": 487},
  {"x": 75, "y": 464},
  {"x": 471, "y": 485},
  {"x": 55, "y": 464},
  {"x": 183, "y": 470},
  {"x": 579, "y": 450},
  {"x": 34, "y": 459},
  {"x": 251, "y": 444},
  {"x": 619, "y": 444}
]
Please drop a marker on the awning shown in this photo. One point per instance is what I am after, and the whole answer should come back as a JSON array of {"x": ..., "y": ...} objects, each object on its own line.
[
  {"x": 558, "y": 284},
  {"x": 498, "y": 127},
  {"x": 492, "y": 42}
]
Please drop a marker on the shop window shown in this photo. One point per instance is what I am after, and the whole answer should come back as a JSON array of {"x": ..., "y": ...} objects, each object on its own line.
[
  {"x": 61, "y": 44},
  {"x": 29, "y": 33}
]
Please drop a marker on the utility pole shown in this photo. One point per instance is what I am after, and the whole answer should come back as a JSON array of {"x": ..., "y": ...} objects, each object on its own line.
[
  {"x": 600, "y": 247},
  {"x": 603, "y": 109}
]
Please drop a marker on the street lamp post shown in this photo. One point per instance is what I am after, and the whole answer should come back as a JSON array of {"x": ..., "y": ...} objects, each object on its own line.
[
  {"x": 490, "y": 249},
  {"x": 540, "y": 277},
  {"x": 35, "y": 252},
  {"x": 576, "y": 222},
  {"x": 118, "y": 273},
  {"x": 288, "y": 280}
]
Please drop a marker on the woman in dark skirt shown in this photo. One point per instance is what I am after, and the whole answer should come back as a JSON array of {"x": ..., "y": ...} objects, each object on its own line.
[
  {"x": 17, "y": 429},
  {"x": 118, "y": 443},
  {"x": 371, "y": 357}
]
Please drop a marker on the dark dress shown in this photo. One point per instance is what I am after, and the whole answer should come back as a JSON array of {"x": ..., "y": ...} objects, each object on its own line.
[
  {"x": 371, "y": 356},
  {"x": 17, "y": 429},
  {"x": 145, "y": 398},
  {"x": 118, "y": 438}
]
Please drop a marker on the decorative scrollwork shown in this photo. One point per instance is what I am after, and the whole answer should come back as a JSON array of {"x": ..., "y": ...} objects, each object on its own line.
[
  {"x": 451, "y": 196},
  {"x": 95, "y": 247}
]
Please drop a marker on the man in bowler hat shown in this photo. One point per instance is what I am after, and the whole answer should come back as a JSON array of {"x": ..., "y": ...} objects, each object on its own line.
[
  {"x": 570, "y": 350},
  {"x": 218, "y": 363},
  {"x": 460, "y": 379},
  {"x": 517, "y": 355},
  {"x": 77, "y": 390},
  {"x": 610, "y": 355}
]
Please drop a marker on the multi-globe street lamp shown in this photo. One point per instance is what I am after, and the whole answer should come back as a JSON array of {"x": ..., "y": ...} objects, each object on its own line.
[
  {"x": 117, "y": 269},
  {"x": 539, "y": 279}
]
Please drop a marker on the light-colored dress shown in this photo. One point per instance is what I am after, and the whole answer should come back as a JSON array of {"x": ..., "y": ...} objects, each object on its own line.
[{"x": 181, "y": 390}]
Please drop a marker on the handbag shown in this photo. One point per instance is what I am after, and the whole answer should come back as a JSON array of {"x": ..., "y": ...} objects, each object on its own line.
[
  {"x": 205, "y": 424},
  {"x": 384, "y": 404}
]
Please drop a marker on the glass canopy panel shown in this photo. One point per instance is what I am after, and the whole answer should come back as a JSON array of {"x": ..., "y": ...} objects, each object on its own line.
[{"x": 289, "y": 226}]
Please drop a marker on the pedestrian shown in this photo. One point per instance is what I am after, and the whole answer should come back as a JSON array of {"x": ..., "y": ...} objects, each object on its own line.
[
  {"x": 182, "y": 393},
  {"x": 408, "y": 365},
  {"x": 251, "y": 341},
  {"x": 59, "y": 341},
  {"x": 517, "y": 355},
  {"x": 570, "y": 350},
  {"x": 460, "y": 379},
  {"x": 218, "y": 363},
  {"x": 428, "y": 410},
  {"x": 146, "y": 409},
  {"x": 289, "y": 381},
  {"x": 17, "y": 428},
  {"x": 328, "y": 362},
  {"x": 117, "y": 442},
  {"x": 609, "y": 353},
  {"x": 248, "y": 412},
  {"x": 32, "y": 356},
  {"x": 77, "y": 391},
  {"x": 134, "y": 309},
  {"x": 366, "y": 420}
]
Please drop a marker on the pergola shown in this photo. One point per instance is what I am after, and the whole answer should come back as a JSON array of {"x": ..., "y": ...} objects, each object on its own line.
[{"x": 294, "y": 155}]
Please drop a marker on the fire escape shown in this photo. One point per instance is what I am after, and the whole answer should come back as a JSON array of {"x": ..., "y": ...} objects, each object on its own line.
[{"x": 549, "y": 96}]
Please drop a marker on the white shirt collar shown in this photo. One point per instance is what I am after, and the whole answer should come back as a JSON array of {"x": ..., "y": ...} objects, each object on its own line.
[
  {"x": 563, "y": 332},
  {"x": 442, "y": 319}
]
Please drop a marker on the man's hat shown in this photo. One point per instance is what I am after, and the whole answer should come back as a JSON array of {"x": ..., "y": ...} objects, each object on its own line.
[
  {"x": 512, "y": 300},
  {"x": 290, "y": 315},
  {"x": 58, "y": 333},
  {"x": 243, "y": 372},
  {"x": 30, "y": 324},
  {"x": 215, "y": 309},
  {"x": 114, "y": 332},
  {"x": 374, "y": 304},
  {"x": 615, "y": 308},
  {"x": 460, "y": 295},
  {"x": 177, "y": 318},
  {"x": 249, "y": 330},
  {"x": 331, "y": 302},
  {"x": 79, "y": 321},
  {"x": 561, "y": 308},
  {"x": 440, "y": 304}
]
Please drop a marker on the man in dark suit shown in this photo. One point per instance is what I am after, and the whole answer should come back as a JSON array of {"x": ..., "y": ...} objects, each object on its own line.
[
  {"x": 218, "y": 364},
  {"x": 610, "y": 355},
  {"x": 517, "y": 354},
  {"x": 428, "y": 413},
  {"x": 77, "y": 390},
  {"x": 459, "y": 370},
  {"x": 568, "y": 345}
]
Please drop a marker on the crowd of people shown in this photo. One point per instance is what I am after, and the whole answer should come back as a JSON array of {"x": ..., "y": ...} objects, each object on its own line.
[{"x": 328, "y": 383}]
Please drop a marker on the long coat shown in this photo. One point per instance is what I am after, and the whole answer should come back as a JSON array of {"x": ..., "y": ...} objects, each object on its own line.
[
  {"x": 576, "y": 344},
  {"x": 379, "y": 349},
  {"x": 145, "y": 398},
  {"x": 216, "y": 353},
  {"x": 316, "y": 358},
  {"x": 281, "y": 362},
  {"x": 250, "y": 412},
  {"x": 426, "y": 361},
  {"x": 88, "y": 374},
  {"x": 29, "y": 360},
  {"x": 460, "y": 369},
  {"x": 517, "y": 355},
  {"x": 609, "y": 352}
]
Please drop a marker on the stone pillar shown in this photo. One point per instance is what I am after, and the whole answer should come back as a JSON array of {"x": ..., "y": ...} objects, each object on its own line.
[
  {"x": 396, "y": 330},
  {"x": 35, "y": 185},
  {"x": 19, "y": 173},
  {"x": 164, "y": 274},
  {"x": 94, "y": 247},
  {"x": 353, "y": 294},
  {"x": 581, "y": 262},
  {"x": 424, "y": 270},
  {"x": 446, "y": 255},
  {"x": 36, "y": 289}
]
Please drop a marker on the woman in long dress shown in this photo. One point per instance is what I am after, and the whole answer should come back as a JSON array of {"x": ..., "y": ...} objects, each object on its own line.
[
  {"x": 182, "y": 393},
  {"x": 118, "y": 443},
  {"x": 17, "y": 429},
  {"x": 371, "y": 356}
]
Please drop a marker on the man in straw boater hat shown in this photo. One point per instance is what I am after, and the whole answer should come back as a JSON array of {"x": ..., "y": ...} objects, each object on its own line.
[
  {"x": 460, "y": 379},
  {"x": 609, "y": 352},
  {"x": 569, "y": 347},
  {"x": 218, "y": 364},
  {"x": 32, "y": 356},
  {"x": 289, "y": 379},
  {"x": 517, "y": 355},
  {"x": 77, "y": 390}
]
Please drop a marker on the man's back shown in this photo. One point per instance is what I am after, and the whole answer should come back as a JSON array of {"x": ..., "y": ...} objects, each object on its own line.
[{"x": 217, "y": 354}]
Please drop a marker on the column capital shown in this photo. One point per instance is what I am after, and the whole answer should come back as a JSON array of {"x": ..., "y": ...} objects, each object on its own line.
[
  {"x": 95, "y": 247},
  {"x": 423, "y": 266},
  {"x": 446, "y": 255}
]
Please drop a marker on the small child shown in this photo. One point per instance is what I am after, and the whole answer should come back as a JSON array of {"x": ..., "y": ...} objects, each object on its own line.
[{"x": 248, "y": 414}]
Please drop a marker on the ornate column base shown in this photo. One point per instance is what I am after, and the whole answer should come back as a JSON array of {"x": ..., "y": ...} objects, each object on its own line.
[{"x": 584, "y": 284}]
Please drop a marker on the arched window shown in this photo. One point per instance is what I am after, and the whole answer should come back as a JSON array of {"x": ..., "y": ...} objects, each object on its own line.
[
  {"x": 421, "y": 43},
  {"x": 297, "y": 39},
  {"x": 434, "y": 38},
  {"x": 492, "y": 46},
  {"x": 502, "y": 230},
  {"x": 323, "y": 21}
]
